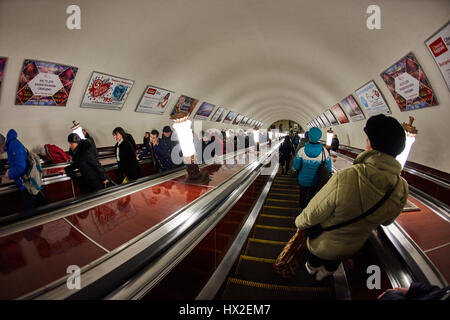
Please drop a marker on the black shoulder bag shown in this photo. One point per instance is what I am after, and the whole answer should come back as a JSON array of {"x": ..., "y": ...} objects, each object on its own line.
[
  {"x": 317, "y": 230},
  {"x": 322, "y": 172}
]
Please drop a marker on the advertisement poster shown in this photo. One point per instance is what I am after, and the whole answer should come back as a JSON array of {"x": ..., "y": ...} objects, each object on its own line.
[
  {"x": 238, "y": 119},
  {"x": 243, "y": 121},
  {"x": 331, "y": 118},
  {"x": 106, "y": 92},
  {"x": 339, "y": 113},
  {"x": 439, "y": 45},
  {"x": 320, "y": 122},
  {"x": 372, "y": 100},
  {"x": 217, "y": 117},
  {"x": 352, "y": 109},
  {"x": 204, "y": 111},
  {"x": 187, "y": 104},
  {"x": 154, "y": 100},
  {"x": 325, "y": 120},
  {"x": 2, "y": 69},
  {"x": 45, "y": 83},
  {"x": 408, "y": 84},
  {"x": 229, "y": 117}
]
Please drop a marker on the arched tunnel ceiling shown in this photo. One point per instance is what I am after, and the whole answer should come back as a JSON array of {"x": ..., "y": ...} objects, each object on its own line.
[{"x": 265, "y": 59}]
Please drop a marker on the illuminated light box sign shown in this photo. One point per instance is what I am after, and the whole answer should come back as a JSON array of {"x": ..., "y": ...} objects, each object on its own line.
[
  {"x": 339, "y": 113},
  {"x": 331, "y": 117},
  {"x": 186, "y": 104},
  {"x": 2, "y": 69},
  {"x": 45, "y": 83},
  {"x": 408, "y": 84},
  {"x": 439, "y": 45},
  {"x": 372, "y": 100},
  {"x": 204, "y": 111},
  {"x": 229, "y": 117},
  {"x": 217, "y": 117},
  {"x": 320, "y": 121},
  {"x": 154, "y": 100},
  {"x": 238, "y": 119},
  {"x": 106, "y": 92},
  {"x": 352, "y": 108}
]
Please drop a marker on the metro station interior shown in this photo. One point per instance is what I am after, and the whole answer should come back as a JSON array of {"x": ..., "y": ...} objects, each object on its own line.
[{"x": 228, "y": 86}]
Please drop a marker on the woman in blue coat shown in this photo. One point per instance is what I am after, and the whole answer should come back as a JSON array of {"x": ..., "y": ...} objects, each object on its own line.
[{"x": 307, "y": 162}]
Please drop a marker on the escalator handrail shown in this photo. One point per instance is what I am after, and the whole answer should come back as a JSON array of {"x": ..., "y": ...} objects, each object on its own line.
[{"x": 114, "y": 268}]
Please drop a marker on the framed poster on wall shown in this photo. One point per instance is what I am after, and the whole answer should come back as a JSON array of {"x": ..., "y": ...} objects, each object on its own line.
[
  {"x": 2, "y": 70},
  {"x": 238, "y": 119},
  {"x": 321, "y": 124},
  {"x": 45, "y": 83},
  {"x": 438, "y": 45},
  {"x": 325, "y": 120},
  {"x": 187, "y": 104},
  {"x": 339, "y": 113},
  {"x": 229, "y": 117},
  {"x": 409, "y": 85},
  {"x": 204, "y": 111},
  {"x": 217, "y": 116},
  {"x": 154, "y": 100},
  {"x": 372, "y": 100},
  {"x": 243, "y": 121},
  {"x": 106, "y": 92},
  {"x": 331, "y": 118},
  {"x": 352, "y": 108}
]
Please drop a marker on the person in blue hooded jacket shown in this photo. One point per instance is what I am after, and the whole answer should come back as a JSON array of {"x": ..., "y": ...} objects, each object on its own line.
[
  {"x": 306, "y": 162},
  {"x": 17, "y": 162}
]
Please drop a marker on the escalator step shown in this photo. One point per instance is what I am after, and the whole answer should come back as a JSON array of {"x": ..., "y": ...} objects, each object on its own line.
[
  {"x": 276, "y": 220},
  {"x": 273, "y": 233},
  {"x": 264, "y": 248},
  {"x": 288, "y": 196},
  {"x": 282, "y": 203},
  {"x": 255, "y": 269},
  {"x": 241, "y": 289},
  {"x": 281, "y": 211}
]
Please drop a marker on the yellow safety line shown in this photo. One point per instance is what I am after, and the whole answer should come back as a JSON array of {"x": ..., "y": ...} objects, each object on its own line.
[
  {"x": 286, "y": 189},
  {"x": 283, "y": 208},
  {"x": 276, "y": 217},
  {"x": 244, "y": 257},
  {"x": 281, "y": 200},
  {"x": 276, "y": 286},
  {"x": 275, "y": 228},
  {"x": 267, "y": 241},
  {"x": 284, "y": 194}
]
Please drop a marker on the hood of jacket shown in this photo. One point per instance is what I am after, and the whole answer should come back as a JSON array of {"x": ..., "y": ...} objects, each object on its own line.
[
  {"x": 313, "y": 150},
  {"x": 12, "y": 135}
]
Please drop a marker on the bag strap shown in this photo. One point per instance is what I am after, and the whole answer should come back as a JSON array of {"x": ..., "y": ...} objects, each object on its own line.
[
  {"x": 323, "y": 156},
  {"x": 365, "y": 214}
]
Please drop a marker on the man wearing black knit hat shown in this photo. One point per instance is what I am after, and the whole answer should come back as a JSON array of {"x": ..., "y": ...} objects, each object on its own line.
[
  {"x": 93, "y": 175},
  {"x": 357, "y": 199}
]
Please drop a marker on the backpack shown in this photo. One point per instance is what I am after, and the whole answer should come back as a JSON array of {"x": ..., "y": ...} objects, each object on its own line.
[
  {"x": 32, "y": 178},
  {"x": 55, "y": 154}
]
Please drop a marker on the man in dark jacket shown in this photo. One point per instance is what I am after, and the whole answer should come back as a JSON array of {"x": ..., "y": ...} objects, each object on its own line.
[
  {"x": 169, "y": 139},
  {"x": 93, "y": 175},
  {"x": 91, "y": 140},
  {"x": 17, "y": 161},
  {"x": 417, "y": 291},
  {"x": 335, "y": 143},
  {"x": 159, "y": 148},
  {"x": 126, "y": 155}
]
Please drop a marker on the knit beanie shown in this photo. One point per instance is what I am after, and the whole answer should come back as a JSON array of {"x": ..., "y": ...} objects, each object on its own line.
[
  {"x": 73, "y": 138},
  {"x": 386, "y": 134},
  {"x": 314, "y": 134}
]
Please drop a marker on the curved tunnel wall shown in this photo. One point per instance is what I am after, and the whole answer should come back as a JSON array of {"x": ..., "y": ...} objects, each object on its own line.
[{"x": 268, "y": 60}]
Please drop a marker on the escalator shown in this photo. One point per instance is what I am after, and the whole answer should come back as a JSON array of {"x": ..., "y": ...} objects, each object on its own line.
[{"x": 254, "y": 277}]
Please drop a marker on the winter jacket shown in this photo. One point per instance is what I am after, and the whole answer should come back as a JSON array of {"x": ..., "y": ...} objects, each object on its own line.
[
  {"x": 127, "y": 161},
  {"x": 335, "y": 144},
  {"x": 161, "y": 155},
  {"x": 17, "y": 158},
  {"x": 130, "y": 138},
  {"x": 348, "y": 194},
  {"x": 286, "y": 151},
  {"x": 307, "y": 162},
  {"x": 170, "y": 144},
  {"x": 92, "y": 173},
  {"x": 91, "y": 140},
  {"x": 55, "y": 154}
]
